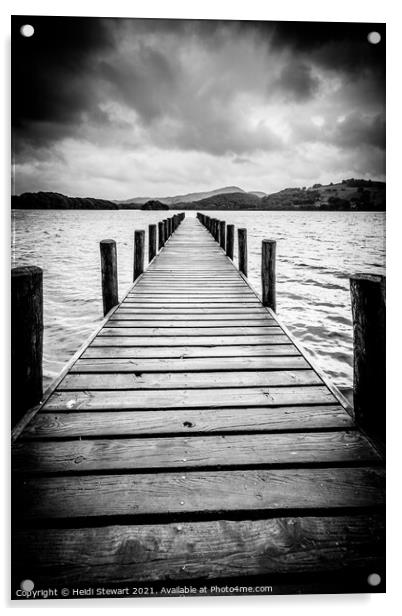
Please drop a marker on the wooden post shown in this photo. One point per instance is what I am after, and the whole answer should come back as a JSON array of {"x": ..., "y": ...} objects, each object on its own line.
[
  {"x": 26, "y": 339},
  {"x": 151, "y": 242},
  {"x": 165, "y": 231},
  {"x": 368, "y": 312},
  {"x": 139, "y": 246},
  {"x": 230, "y": 241},
  {"x": 110, "y": 293},
  {"x": 160, "y": 234},
  {"x": 242, "y": 240},
  {"x": 216, "y": 229},
  {"x": 268, "y": 273},
  {"x": 222, "y": 234}
]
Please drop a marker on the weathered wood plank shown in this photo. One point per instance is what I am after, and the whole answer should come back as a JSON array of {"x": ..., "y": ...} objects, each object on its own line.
[
  {"x": 175, "y": 302},
  {"x": 189, "y": 364},
  {"x": 91, "y": 496},
  {"x": 187, "y": 380},
  {"x": 209, "y": 341},
  {"x": 183, "y": 398},
  {"x": 128, "y": 320},
  {"x": 264, "y": 330},
  {"x": 224, "y": 548},
  {"x": 137, "y": 423},
  {"x": 183, "y": 352},
  {"x": 102, "y": 455},
  {"x": 193, "y": 311}
]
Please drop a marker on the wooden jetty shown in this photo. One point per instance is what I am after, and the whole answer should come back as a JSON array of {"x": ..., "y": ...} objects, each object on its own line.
[{"x": 190, "y": 440}]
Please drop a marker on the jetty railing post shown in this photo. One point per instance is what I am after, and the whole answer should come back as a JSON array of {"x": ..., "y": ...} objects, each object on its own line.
[
  {"x": 230, "y": 241},
  {"x": 26, "y": 339},
  {"x": 151, "y": 242},
  {"x": 268, "y": 273},
  {"x": 160, "y": 234},
  {"x": 139, "y": 247},
  {"x": 110, "y": 294},
  {"x": 242, "y": 240},
  {"x": 222, "y": 234},
  {"x": 368, "y": 312}
]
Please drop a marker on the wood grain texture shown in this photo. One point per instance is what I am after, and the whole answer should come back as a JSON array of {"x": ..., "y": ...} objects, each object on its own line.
[
  {"x": 102, "y": 455},
  {"x": 188, "y": 398},
  {"x": 187, "y": 380},
  {"x": 203, "y": 364},
  {"x": 183, "y": 352},
  {"x": 137, "y": 423},
  {"x": 91, "y": 496},
  {"x": 219, "y": 548}
]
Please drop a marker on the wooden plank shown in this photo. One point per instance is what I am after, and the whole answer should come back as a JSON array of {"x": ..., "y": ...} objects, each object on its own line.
[
  {"x": 183, "y": 352},
  {"x": 174, "y": 302},
  {"x": 194, "y": 398},
  {"x": 91, "y": 496},
  {"x": 187, "y": 380},
  {"x": 137, "y": 423},
  {"x": 224, "y": 548},
  {"x": 129, "y": 320},
  {"x": 196, "y": 312},
  {"x": 264, "y": 330},
  {"x": 102, "y": 455},
  {"x": 171, "y": 341},
  {"x": 189, "y": 364}
]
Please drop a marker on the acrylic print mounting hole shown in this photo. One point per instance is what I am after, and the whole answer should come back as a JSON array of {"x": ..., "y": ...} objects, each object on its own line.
[
  {"x": 374, "y": 38},
  {"x": 27, "y": 30}
]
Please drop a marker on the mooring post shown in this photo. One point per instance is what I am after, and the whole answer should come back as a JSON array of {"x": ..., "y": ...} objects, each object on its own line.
[
  {"x": 216, "y": 229},
  {"x": 160, "y": 234},
  {"x": 165, "y": 230},
  {"x": 368, "y": 312},
  {"x": 110, "y": 293},
  {"x": 242, "y": 241},
  {"x": 151, "y": 242},
  {"x": 268, "y": 273},
  {"x": 26, "y": 339},
  {"x": 222, "y": 234},
  {"x": 230, "y": 241},
  {"x": 139, "y": 246}
]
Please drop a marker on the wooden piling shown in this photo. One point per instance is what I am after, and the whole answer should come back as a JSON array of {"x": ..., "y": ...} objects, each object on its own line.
[
  {"x": 222, "y": 234},
  {"x": 139, "y": 246},
  {"x": 268, "y": 273},
  {"x": 160, "y": 235},
  {"x": 151, "y": 242},
  {"x": 368, "y": 311},
  {"x": 165, "y": 231},
  {"x": 26, "y": 339},
  {"x": 230, "y": 241},
  {"x": 242, "y": 241},
  {"x": 110, "y": 293}
]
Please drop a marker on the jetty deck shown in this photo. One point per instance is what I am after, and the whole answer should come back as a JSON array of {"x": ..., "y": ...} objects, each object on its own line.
[{"x": 191, "y": 439}]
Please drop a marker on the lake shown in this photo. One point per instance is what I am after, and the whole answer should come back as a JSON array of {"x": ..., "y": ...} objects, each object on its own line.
[{"x": 316, "y": 253}]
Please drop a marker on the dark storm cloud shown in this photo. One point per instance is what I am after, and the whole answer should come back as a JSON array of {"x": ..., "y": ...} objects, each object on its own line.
[
  {"x": 228, "y": 90},
  {"x": 338, "y": 46},
  {"x": 297, "y": 81}
]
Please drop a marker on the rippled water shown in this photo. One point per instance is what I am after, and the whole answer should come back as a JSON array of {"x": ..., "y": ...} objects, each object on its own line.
[{"x": 316, "y": 252}]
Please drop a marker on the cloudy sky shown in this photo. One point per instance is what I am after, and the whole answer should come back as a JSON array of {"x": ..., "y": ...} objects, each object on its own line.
[{"x": 117, "y": 108}]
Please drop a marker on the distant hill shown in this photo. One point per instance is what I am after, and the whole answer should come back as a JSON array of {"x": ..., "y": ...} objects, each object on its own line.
[
  {"x": 351, "y": 194},
  {"x": 230, "y": 201},
  {"x": 189, "y": 198},
  {"x": 57, "y": 201}
]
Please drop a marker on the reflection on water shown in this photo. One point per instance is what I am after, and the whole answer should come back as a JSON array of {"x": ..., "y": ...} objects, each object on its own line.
[{"x": 316, "y": 252}]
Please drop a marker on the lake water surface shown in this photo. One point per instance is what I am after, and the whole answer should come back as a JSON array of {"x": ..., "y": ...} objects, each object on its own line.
[{"x": 316, "y": 252}]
